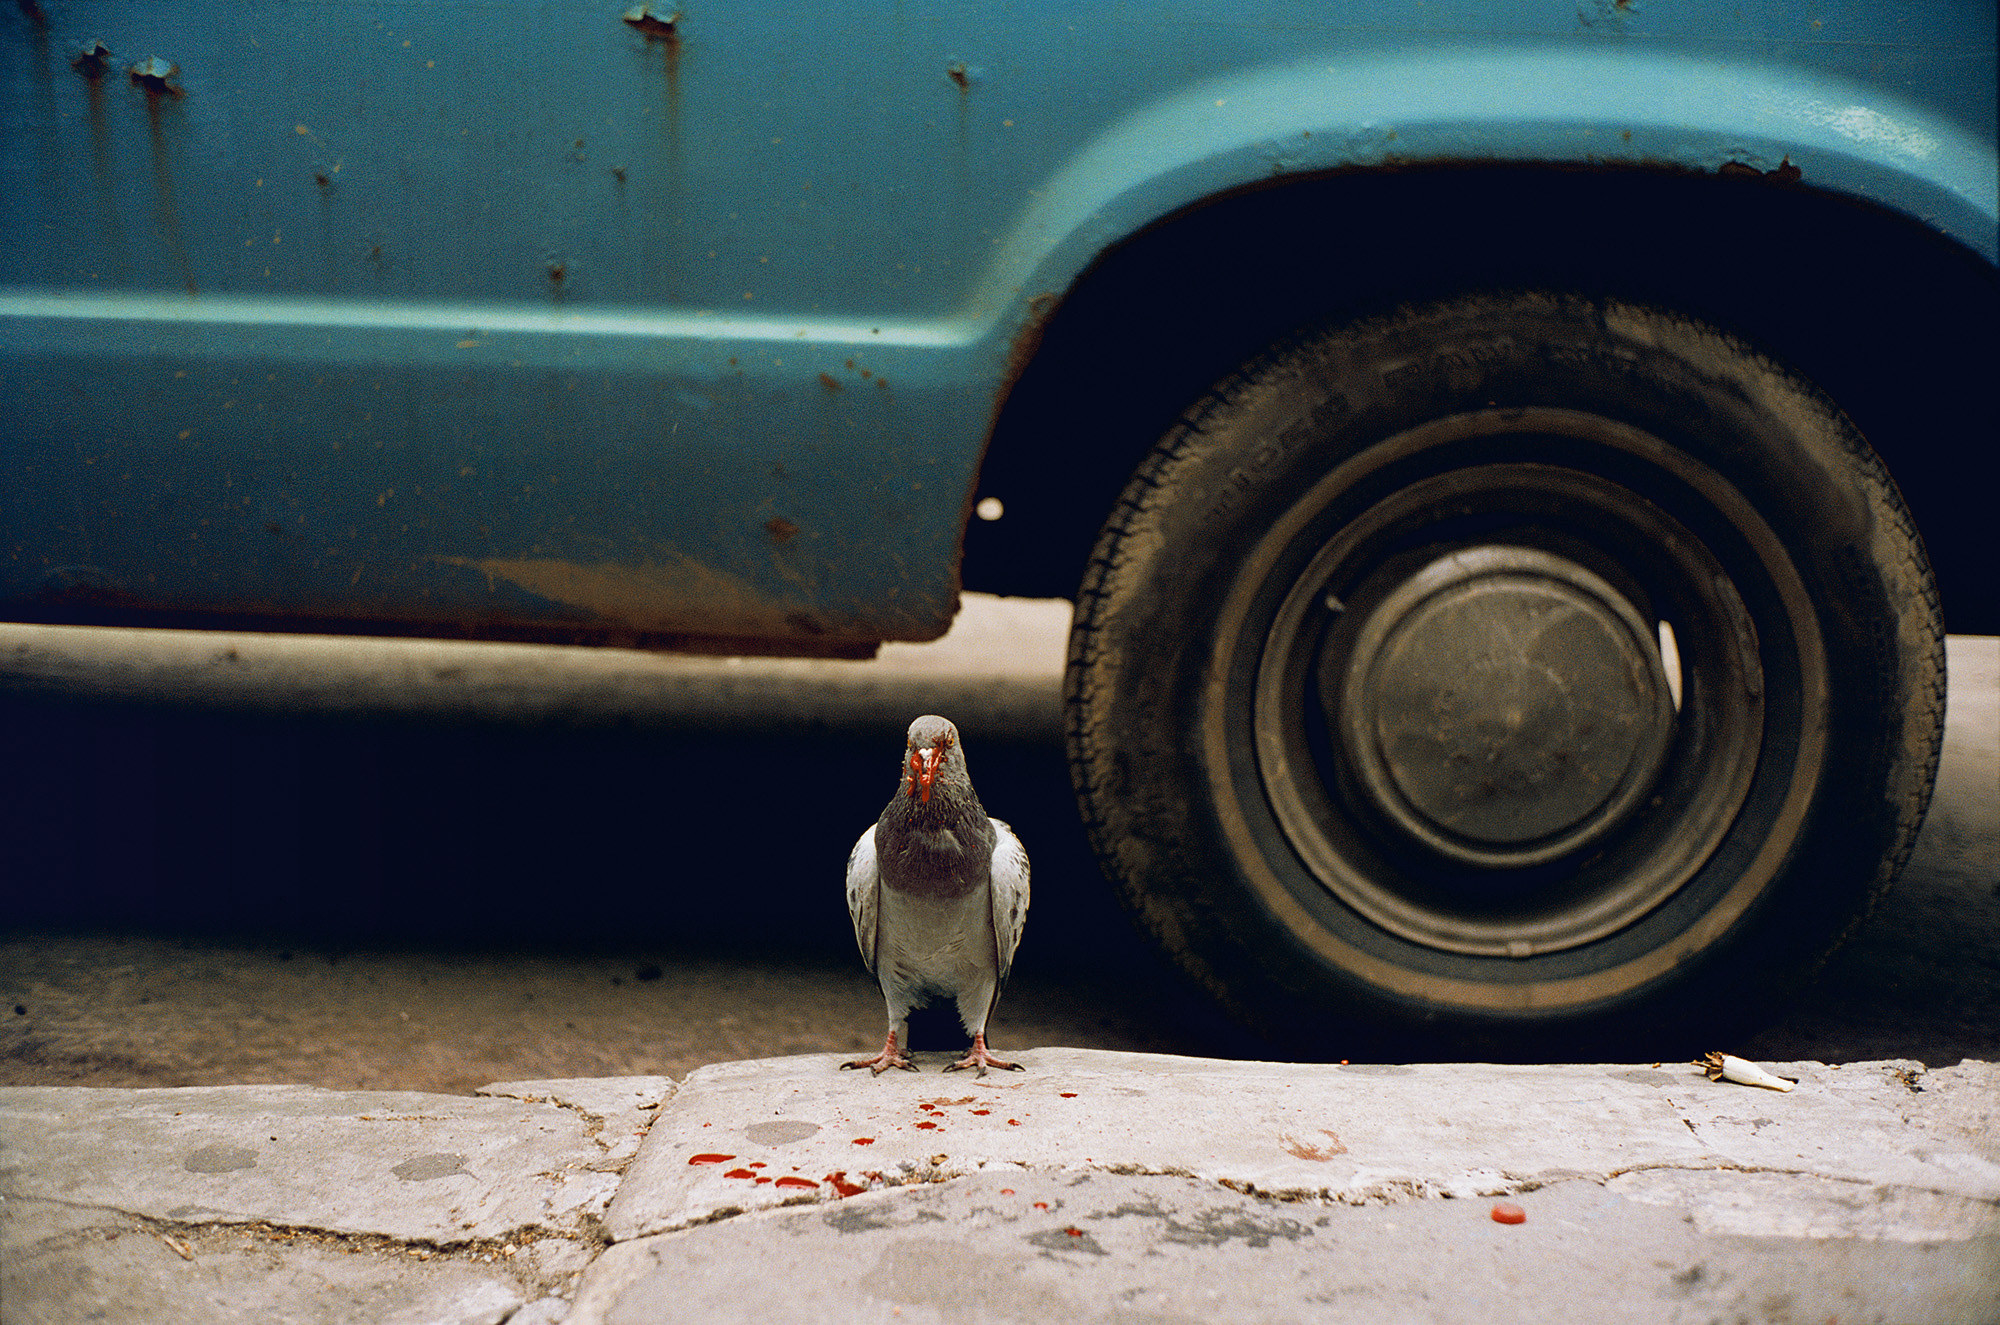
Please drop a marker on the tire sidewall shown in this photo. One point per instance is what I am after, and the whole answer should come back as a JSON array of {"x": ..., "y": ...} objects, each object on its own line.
[{"x": 1165, "y": 658}]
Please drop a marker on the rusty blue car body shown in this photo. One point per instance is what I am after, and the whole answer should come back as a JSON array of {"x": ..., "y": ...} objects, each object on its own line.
[{"x": 619, "y": 322}]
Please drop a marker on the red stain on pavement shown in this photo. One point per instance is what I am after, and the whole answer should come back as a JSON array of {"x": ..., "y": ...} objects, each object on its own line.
[
  {"x": 1318, "y": 1150},
  {"x": 1508, "y": 1213},
  {"x": 710, "y": 1159}
]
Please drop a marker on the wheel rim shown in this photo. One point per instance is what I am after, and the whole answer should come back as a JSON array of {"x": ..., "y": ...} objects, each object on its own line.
[{"x": 1506, "y": 582}]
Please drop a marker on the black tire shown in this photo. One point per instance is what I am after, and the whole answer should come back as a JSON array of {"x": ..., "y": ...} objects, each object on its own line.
[{"x": 1371, "y": 720}]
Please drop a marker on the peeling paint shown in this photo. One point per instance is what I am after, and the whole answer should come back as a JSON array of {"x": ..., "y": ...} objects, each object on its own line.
[
  {"x": 156, "y": 76},
  {"x": 93, "y": 61},
  {"x": 642, "y": 19},
  {"x": 1783, "y": 173}
]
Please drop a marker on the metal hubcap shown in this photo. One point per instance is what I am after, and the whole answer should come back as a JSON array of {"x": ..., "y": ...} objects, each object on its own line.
[
  {"x": 1502, "y": 707},
  {"x": 1463, "y": 727}
]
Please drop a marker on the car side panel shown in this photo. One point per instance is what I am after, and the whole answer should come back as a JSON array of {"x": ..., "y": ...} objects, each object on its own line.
[{"x": 514, "y": 318}]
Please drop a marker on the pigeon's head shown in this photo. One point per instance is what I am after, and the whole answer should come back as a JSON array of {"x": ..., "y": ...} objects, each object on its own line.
[{"x": 931, "y": 747}]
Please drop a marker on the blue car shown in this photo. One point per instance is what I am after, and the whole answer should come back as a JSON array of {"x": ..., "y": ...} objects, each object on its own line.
[{"x": 1486, "y": 443}]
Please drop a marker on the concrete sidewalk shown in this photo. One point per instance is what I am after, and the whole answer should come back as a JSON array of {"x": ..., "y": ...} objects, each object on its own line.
[{"x": 1092, "y": 1187}]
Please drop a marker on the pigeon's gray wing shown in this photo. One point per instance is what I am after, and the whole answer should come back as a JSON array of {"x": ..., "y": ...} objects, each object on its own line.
[
  {"x": 1010, "y": 894},
  {"x": 864, "y": 895}
]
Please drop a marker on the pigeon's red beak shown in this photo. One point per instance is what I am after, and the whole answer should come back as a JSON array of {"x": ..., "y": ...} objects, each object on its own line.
[{"x": 923, "y": 771}]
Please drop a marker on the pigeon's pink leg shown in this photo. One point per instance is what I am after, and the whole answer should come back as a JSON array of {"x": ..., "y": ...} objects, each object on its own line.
[
  {"x": 886, "y": 1059},
  {"x": 978, "y": 1057}
]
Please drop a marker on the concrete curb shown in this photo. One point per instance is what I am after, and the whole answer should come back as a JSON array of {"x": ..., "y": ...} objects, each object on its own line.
[
  {"x": 998, "y": 672},
  {"x": 1095, "y": 1185}
]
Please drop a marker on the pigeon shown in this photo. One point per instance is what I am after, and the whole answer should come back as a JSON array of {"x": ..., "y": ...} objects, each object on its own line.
[{"x": 938, "y": 893}]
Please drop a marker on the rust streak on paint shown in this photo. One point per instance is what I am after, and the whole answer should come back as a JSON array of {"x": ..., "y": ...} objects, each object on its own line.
[
  {"x": 166, "y": 203},
  {"x": 662, "y": 192}
]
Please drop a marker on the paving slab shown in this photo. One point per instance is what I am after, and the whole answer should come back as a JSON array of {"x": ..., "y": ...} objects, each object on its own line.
[
  {"x": 755, "y": 1135},
  {"x": 439, "y": 1168},
  {"x": 1091, "y": 1246},
  {"x": 293, "y": 1203},
  {"x": 60, "y": 1265},
  {"x": 1125, "y": 1187}
]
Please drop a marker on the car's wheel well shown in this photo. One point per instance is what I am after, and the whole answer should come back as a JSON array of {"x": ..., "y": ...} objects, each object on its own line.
[{"x": 1897, "y": 325}]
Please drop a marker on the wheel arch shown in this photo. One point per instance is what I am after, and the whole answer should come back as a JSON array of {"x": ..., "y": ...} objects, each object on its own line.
[{"x": 1895, "y": 321}]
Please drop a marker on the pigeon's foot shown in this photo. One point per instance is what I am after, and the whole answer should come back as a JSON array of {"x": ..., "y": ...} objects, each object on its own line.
[
  {"x": 881, "y": 1062},
  {"x": 979, "y": 1058}
]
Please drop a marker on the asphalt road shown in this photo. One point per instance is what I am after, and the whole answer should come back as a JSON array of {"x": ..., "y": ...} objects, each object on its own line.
[{"x": 204, "y": 897}]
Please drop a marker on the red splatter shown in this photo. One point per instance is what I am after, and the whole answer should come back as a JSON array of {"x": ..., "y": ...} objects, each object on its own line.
[
  {"x": 1006, "y": 1191},
  {"x": 864, "y": 1140},
  {"x": 1013, "y": 1122},
  {"x": 1074, "y": 1232},
  {"x": 710, "y": 1159},
  {"x": 1041, "y": 1205},
  {"x": 840, "y": 1183},
  {"x": 793, "y": 1180},
  {"x": 927, "y": 1124},
  {"x": 1068, "y": 1094},
  {"x": 981, "y": 1113},
  {"x": 756, "y": 1163},
  {"x": 762, "y": 1181},
  {"x": 1508, "y": 1213},
  {"x": 739, "y": 1173}
]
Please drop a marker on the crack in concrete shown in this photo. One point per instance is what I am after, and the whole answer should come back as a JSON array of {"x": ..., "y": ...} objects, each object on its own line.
[
  {"x": 590, "y": 1230},
  {"x": 1865, "y": 1183},
  {"x": 515, "y": 1253},
  {"x": 595, "y": 1122},
  {"x": 595, "y": 1125}
]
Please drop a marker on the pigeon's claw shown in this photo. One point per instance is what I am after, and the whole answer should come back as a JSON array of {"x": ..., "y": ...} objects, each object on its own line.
[
  {"x": 881, "y": 1062},
  {"x": 978, "y": 1057}
]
